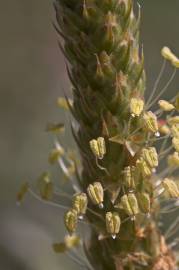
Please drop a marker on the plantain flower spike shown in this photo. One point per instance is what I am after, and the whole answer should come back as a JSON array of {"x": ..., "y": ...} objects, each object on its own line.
[
  {"x": 96, "y": 194},
  {"x": 100, "y": 41},
  {"x": 166, "y": 106},
  {"x": 173, "y": 160},
  {"x": 80, "y": 202},
  {"x": 71, "y": 218},
  {"x": 168, "y": 55},
  {"x": 113, "y": 223},
  {"x": 136, "y": 106},
  {"x": 150, "y": 123},
  {"x": 98, "y": 147},
  {"x": 175, "y": 143},
  {"x": 171, "y": 188},
  {"x": 150, "y": 156}
]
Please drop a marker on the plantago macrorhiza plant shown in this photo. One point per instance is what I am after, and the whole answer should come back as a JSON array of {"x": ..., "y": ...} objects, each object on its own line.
[{"x": 120, "y": 190}]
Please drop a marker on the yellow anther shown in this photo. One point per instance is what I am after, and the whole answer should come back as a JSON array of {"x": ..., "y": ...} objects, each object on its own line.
[
  {"x": 177, "y": 102},
  {"x": 166, "y": 106},
  {"x": 71, "y": 218},
  {"x": 128, "y": 177},
  {"x": 130, "y": 204},
  {"x": 98, "y": 147},
  {"x": 22, "y": 192},
  {"x": 136, "y": 106},
  {"x": 150, "y": 156},
  {"x": 144, "y": 202},
  {"x": 96, "y": 193},
  {"x": 133, "y": 203},
  {"x": 126, "y": 205},
  {"x": 113, "y": 223},
  {"x": 175, "y": 143},
  {"x": 173, "y": 120},
  {"x": 171, "y": 188},
  {"x": 71, "y": 241},
  {"x": 143, "y": 167},
  {"x": 80, "y": 202},
  {"x": 164, "y": 129},
  {"x": 150, "y": 122},
  {"x": 173, "y": 160},
  {"x": 168, "y": 55},
  {"x": 175, "y": 130},
  {"x": 55, "y": 154},
  {"x": 45, "y": 186},
  {"x": 62, "y": 102}
]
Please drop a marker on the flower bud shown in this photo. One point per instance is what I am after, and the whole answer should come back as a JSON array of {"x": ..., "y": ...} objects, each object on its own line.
[
  {"x": 80, "y": 202},
  {"x": 98, "y": 147},
  {"x": 113, "y": 223},
  {"x": 136, "y": 106},
  {"x": 85, "y": 10},
  {"x": 173, "y": 120},
  {"x": 173, "y": 160},
  {"x": 110, "y": 24},
  {"x": 171, "y": 188},
  {"x": 150, "y": 156},
  {"x": 144, "y": 202},
  {"x": 105, "y": 61},
  {"x": 143, "y": 167},
  {"x": 166, "y": 106},
  {"x": 168, "y": 55},
  {"x": 175, "y": 130},
  {"x": 128, "y": 177},
  {"x": 71, "y": 219},
  {"x": 150, "y": 122},
  {"x": 99, "y": 71},
  {"x": 96, "y": 193},
  {"x": 175, "y": 143}
]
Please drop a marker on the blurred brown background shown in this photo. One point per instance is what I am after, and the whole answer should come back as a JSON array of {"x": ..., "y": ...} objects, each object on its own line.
[{"x": 32, "y": 76}]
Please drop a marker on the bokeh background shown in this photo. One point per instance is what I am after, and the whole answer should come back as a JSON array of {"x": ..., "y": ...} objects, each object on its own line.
[{"x": 32, "y": 76}]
